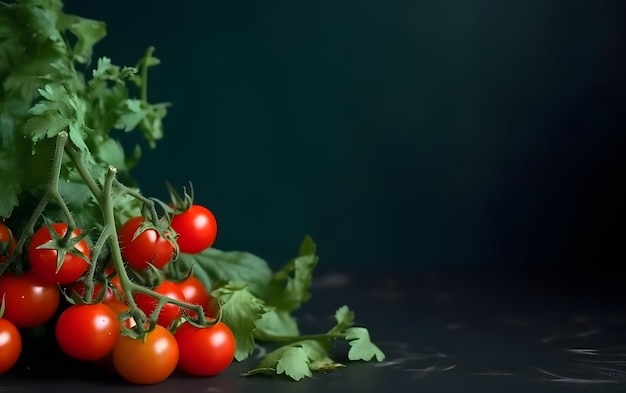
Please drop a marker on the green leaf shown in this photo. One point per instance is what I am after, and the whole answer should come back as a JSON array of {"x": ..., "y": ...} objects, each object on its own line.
[
  {"x": 361, "y": 347},
  {"x": 232, "y": 266},
  {"x": 87, "y": 31},
  {"x": 152, "y": 124},
  {"x": 240, "y": 311},
  {"x": 58, "y": 110},
  {"x": 10, "y": 183},
  {"x": 276, "y": 323},
  {"x": 289, "y": 287},
  {"x": 294, "y": 363},
  {"x": 296, "y": 360},
  {"x": 130, "y": 113},
  {"x": 345, "y": 319}
]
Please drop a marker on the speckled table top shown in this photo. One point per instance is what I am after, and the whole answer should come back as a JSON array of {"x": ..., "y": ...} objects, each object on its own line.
[{"x": 469, "y": 329}]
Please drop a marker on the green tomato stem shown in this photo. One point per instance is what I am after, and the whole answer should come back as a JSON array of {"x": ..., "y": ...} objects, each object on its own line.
[{"x": 293, "y": 339}]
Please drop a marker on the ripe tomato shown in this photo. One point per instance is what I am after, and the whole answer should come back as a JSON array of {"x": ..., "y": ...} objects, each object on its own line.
[
  {"x": 44, "y": 261},
  {"x": 78, "y": 287},
  {"x": 196, "y": 228},
  {"x": 205, "y": 351},
  {"x": 146, "y": 361},
  {"x": 195, "y": 293},
  {"x": 169, "y": 312},
  {"x": 87, "y": 331},
  {"x": 10, "y": 345},
  {"x": 119, "y": 308},
  {"x": 7, "y": 242},
  {"x": 29, "y": 300},
  {"x": 146, "y": 247}
]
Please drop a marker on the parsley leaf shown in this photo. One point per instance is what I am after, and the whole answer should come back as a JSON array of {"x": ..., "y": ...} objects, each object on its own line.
[
  {"x": 276, "y": 323},
  {"x": 240, "y": 311},
  {"x": 231, "y": 266},
  {"x": 87, "y": 31},
  {"x": 10, "y": 183},
  {"x": 59, "y": 110},
  {"x": 297, "y": 361},
  {"x": 289, "y": 287},
  {"x": 362, "y": 347}
]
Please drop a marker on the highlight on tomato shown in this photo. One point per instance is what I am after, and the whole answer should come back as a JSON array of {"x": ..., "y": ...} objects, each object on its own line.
[
  {"x": 146, "y": 361},
  {"x": 205, "y": 351},
  {"x": 44, "y": 260},
  {"x": 87, "y": 331},
  {"x": 10, "y": 345},
  {"x": 142, "y": 245},
  {"x": 29, "y": 300},
  {"x": 196, "y": 228}
]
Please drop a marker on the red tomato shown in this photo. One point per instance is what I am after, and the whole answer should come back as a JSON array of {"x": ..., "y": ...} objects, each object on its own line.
[
  {"x": 196, "y": 293},
  {"x": 29, "y": 300},
  {"x": 169, "y": 312},
  {"x": 120, "y": 308},
  {"x": 87, "y": 331},
  {"x": 205, "y": 351},
  {"x": 147, "y": 361},
  {"x": 78, "y": 287},
  {"x": 44, "y": 260},
  {"x": 148, "y": 246},
  {"x": 7, "y": 242},
  {"x": 196, "y": 228},
  {"x": 10, "y": 345}
]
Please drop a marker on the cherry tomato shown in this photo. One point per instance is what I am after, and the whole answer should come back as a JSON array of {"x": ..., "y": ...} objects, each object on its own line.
[
  {"x": 78, "y": 287},
  {"x": 205, "y": 351},
  {"x": 196, "y": 228},
  {"x": 120, "y": 308},
  {"x": 44, "y": 261},
  {"x": 195, "y": 293},
  {"x": 29, "y": 300},
  {"x": 7, "y": 242},
  {"x": 146, "y": 247},
  {"x": 115, "y": 284},
  {"x": 87, "y": 331},
  {"x": 169, "y": 312},
  {"x": 147, "y": 361},
  {"x": 10, "y": 345}
]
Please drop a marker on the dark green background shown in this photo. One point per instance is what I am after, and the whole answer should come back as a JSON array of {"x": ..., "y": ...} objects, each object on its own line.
[{"x": 394, "y": 132}]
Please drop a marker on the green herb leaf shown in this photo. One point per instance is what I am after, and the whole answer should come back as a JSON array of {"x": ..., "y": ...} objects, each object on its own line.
[
  {"x": 289, "y": 287},
  {"x": 297, "y": 361},
  {"x": 362, "y": 347},
  {"x": 231, "y": 266},
  {"x": 10, "y": 183},
  {"x": 240, "y": 311},
  {"x": 87, "y": 31},
  {"x": 276, "y": 323}
]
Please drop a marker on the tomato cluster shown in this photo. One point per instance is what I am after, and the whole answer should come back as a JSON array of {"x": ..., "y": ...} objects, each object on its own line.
[{"x": 51, "y": 287}]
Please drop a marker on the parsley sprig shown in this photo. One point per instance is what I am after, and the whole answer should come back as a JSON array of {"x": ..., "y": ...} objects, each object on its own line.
[{"x": 58, "y": 106}]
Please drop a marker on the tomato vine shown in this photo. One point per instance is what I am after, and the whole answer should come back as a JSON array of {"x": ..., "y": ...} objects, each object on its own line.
[{"x": 57, "y": 153}]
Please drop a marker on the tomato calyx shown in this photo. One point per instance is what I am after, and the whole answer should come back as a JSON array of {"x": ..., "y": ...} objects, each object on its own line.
[
  {"x": 180, "y": 204},
  {"x": 64, "y": 244}
]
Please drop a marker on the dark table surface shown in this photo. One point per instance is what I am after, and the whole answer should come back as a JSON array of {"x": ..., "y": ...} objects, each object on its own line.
[{"x": 453, "y": 330}]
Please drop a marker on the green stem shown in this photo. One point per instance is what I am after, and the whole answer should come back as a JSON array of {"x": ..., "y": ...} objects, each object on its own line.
[
  {"x": 96, "y": 250},
  {"x": 77, "y": 159},
  {"x": 130, "y": 288},
  {"x": 144, "y": 74},
  {"x": 147, "y": 202},
  {"x": 51, "y": 193},
  {"x": 293, "y": 339}
]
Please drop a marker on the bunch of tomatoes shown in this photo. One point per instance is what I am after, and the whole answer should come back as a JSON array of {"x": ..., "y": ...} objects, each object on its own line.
[{"x": 91, "y": 326}]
